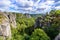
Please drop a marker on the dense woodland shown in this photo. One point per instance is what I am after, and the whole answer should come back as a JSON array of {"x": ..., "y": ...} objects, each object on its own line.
[{"x": 41, "y": 27}]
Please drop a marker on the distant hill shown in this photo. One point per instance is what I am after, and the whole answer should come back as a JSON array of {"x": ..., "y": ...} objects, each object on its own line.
[{"x": 36, "y": 15}]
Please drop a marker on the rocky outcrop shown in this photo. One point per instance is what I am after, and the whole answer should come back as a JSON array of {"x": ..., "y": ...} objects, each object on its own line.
[
  {"x": 12, "y": 18},
  {"x": 7, "y": 19},
  {"x": 27, "y": 15},
  {"x": 57, "y": 37}
]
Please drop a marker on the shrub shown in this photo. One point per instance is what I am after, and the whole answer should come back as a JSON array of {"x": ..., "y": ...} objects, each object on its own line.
[
  {"x": 52, "y": 32},
  {"x": 39, "y": 34}
]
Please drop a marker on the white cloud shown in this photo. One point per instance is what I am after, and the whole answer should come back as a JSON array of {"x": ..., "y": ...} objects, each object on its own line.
[
  {"x": 24, "y": 2},
  {"x": 30, "y": 8},
  {"x": 49, "y": 2},
  {"x": 5, "y": 2},
  {"x": 31, "y": 4},
  {"x": 46, "y": 4},
  {"x": 57, "y": 7}
]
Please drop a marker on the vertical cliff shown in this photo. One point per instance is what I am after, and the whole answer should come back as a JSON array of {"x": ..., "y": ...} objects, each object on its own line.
[{"x": 7, "y": 19}]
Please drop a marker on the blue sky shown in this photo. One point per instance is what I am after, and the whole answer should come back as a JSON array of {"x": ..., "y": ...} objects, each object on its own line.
[{"x": 29, "y": 6}]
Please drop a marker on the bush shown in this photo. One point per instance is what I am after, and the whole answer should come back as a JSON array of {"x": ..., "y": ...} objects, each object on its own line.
[
  {"x": 52, "y": 32},
  {"x": 39, "y": 34}
]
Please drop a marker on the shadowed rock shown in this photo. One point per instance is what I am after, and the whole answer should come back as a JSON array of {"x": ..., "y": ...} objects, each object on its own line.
[{"x": 57, "y": 37}]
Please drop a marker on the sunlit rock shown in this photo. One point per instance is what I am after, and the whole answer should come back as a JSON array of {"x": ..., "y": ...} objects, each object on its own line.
[{"x": 6, "y": 21}]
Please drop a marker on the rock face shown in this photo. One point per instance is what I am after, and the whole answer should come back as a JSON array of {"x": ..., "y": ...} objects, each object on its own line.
[
  {"x": 39, "y": 22},
  {"x": 57, "y": 37},
  {"x": 6, "y": 20},
  {"x": 27, "y": 15}
]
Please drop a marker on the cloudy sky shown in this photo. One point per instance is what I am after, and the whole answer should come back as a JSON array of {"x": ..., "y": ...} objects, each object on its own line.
[{"x": 29, "y": 6}]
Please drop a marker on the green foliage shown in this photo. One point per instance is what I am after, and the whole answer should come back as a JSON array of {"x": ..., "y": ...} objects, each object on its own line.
[
  {"x": 25, "y": 27},
  {"x": 52, "y": 31},
  {"x": 39, "y": 34},
  {"x": 1, "y": 38},
  {"x": 22, "y": 23},
  {"x": 16, "y": 35},
  {"x": 57, "y": 11}
]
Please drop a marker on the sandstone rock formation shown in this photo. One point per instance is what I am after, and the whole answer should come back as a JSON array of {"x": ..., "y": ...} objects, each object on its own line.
[
  {"x": 27, "y": 15},
  {"x": 7, "y": 19}
]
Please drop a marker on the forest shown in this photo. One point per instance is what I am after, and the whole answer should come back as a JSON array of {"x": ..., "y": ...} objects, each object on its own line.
[
  {"x": 40, "y": 27},
  {"x": 43, "y": 27}
]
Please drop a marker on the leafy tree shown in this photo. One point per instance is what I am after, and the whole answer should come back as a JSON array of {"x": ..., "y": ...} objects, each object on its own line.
[
  {"x": 53, "y": 19},
  {"x": 57, "y": 12},
  {"x": 39, "y": 34}
]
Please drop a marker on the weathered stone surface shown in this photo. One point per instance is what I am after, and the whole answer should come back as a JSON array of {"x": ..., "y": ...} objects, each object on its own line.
[
  {"x": 9, "y": 19},
  {"x": 5, "y": 25},
  {"x": 27, "y": 15},
  {"x": 13, "y": 20}
]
